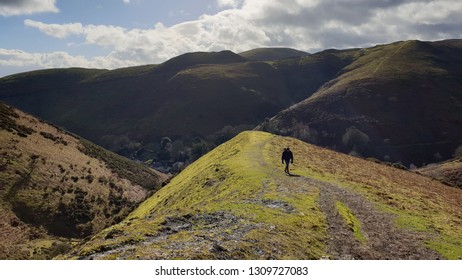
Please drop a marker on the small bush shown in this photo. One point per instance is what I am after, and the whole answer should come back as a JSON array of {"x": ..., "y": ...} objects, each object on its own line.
[
  {"x": 90, "y": 178},
  {"x": 56, "y": 139},
  {"x": 59, "y": 248}
]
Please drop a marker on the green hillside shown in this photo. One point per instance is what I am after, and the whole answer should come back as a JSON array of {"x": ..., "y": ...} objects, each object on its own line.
[
  {"x": 56, "y": 188},
  {"x": 197, "y": 100},
  {"x": 237, "y": 203},
  {"x": 398, "y": 102},
  {"x": 130, "y": 110}
]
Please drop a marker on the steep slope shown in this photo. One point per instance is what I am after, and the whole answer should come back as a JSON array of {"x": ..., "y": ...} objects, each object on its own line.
[
  {"x": 269, "y": 54},
  {"x": 56, "y": 188},
  {"x": 237, "y": 203},
  {"x": 396, "y": 102},
  {"x": 129, "y": 110},
  {"x": 306, "y": 74},
  {"x": 448, "y": 172}
]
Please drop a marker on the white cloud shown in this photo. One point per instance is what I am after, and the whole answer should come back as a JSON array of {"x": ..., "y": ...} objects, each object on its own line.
[
  {"x": 56, "y": 30},
  {"x": 309, "y": 25},
  {"x": 126, "y": 1},
  {"x": 27, "y": 7},
  {"x": 228, "y": 3},
  {"x": 26, "y": 60}
]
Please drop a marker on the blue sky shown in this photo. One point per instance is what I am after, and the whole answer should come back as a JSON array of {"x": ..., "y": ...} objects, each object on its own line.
[
  {"x": 39, "y": 34},
  {"x": 141, "y": 14}
]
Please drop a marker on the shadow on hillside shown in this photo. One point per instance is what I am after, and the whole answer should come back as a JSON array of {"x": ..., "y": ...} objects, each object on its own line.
[{"x": 293, "y": 175}]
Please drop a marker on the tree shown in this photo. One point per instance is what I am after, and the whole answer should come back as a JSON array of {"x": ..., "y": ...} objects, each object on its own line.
[
  {"x": 458, "y": 152},
  {"x": 165, "y": 143},
  {"x": 269, "y": 126},
  {"x": 198, "y": 150},
  {"x": 178, "y": 151},
  {"x": 355, "y": 139},
  {"x": 304, "y": 132},
  {"x": 165, "y": 146}
]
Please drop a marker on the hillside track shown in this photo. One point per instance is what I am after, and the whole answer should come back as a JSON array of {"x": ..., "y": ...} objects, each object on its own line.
[
  {"x": 383, "y": 239},
  {"x": 236, "y": 202},
  {"x": 388, "y": 57}
]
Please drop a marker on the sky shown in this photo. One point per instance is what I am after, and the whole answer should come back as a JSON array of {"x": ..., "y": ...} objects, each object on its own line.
[{"x": 109, "y": 34}]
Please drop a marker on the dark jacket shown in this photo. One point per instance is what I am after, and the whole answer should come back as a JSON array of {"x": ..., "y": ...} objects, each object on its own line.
[{"x": 287, "y": 156}]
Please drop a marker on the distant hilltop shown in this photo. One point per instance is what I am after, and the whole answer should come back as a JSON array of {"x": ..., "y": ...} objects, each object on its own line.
[{"x": 397, "y": 102}]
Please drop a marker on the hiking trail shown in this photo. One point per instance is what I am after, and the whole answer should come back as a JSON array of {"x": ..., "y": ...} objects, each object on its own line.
[{"x": 382, "y": 238}]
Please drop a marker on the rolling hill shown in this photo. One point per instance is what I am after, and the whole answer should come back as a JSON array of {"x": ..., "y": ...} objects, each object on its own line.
[
  {"x": 236, "y": 203},
  {"x": 192, "y": 96},
  {"x": 398, "y": 102},
  {"x": 57, "y": 188}
]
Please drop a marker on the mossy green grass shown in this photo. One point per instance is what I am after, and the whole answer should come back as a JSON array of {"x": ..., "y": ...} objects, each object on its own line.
[{"x": 236, "y": 202}]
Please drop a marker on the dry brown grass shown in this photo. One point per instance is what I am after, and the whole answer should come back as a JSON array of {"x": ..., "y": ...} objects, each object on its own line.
[
  {"x": 419, "y": 202},
  {"x": 50, "y": 190},
  {"x": 449, "y": 172}
]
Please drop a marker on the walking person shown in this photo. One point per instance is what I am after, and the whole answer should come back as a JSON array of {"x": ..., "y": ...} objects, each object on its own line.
[{"x": 287, "y": 157}]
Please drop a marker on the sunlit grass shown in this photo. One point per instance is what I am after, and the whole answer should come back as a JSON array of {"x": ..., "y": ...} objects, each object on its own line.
[{"x": 244, "y": 178}]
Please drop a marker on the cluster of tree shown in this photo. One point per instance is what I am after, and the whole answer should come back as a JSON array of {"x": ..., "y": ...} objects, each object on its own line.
[
  {"x": 170, "y": 153},
  {"x": 355, "y": 140}
]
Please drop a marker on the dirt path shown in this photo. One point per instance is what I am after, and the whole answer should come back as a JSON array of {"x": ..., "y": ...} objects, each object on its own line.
[
  {"x": 388, "y": 57},
  {"x": 383, "y": 240}
]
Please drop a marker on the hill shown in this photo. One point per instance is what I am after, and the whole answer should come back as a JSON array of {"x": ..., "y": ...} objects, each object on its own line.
[
  {"x": 236, "y": 203},
  {"x": 448, "y": 172},
  {"x": 270, "y": 54},
  {"x": 398, "y": 102},
  {"x": 56, "y": 188},
  {"x": 196, "y": 100}
]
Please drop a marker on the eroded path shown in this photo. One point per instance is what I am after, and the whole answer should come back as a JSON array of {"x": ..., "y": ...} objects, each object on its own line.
[{"x": 382, "y": 238}]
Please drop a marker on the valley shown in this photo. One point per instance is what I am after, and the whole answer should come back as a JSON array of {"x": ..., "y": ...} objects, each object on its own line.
[
  {"x": 397, "y": 102},
  {"x": 181, "y": 160}
]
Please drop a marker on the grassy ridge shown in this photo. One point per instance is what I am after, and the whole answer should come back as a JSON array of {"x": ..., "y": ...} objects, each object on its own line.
[
  {"x": 225, "y": 184},
  {"x": 404, "y": 97},
  {"x": 236, "y": 203}
]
